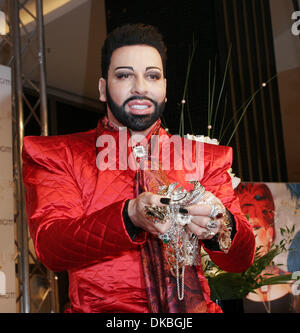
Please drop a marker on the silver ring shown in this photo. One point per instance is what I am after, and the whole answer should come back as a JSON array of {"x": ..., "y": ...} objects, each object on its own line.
[
  {"x": 178, "y": 196},
  {"x": 183, "y": 219},
  {"x": 164, "y": 237},
  {"x": 216, "y": 212},
  {"x": 212, "y": 224},
  {"x": 208, "y": 234}
]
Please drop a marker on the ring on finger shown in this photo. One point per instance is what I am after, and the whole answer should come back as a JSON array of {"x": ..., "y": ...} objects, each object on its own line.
[
  {"x": 155, "y": 220},
  {"x": 208, "y": 234},
  {"x": 212, "y": 224},
  {"x": 155, "y": 214},
  {"x": 164, "y": 237},
  {"x": 216, "y": 212}
]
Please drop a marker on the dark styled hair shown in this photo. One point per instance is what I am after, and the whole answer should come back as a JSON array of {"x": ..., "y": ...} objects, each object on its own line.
[{"x": 132, "y": 34}]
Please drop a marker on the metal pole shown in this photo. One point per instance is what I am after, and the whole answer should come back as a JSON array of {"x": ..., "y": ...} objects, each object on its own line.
[
  {"x": 44, "y": 123},
  {"x": 18, "y": 109},
  {"x": 42, "y": 62}
]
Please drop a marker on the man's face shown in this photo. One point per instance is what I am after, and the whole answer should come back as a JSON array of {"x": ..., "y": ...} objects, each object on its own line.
[{"x": 135, "y": 88}]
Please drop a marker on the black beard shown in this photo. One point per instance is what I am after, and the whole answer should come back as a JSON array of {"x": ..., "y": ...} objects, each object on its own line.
[{"x": 135, "y": 122}]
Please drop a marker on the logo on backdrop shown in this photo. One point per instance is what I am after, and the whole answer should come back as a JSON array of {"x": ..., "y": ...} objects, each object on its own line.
[
  {"x": 5, "y": 149},
  {"x": 6, "y": 221},
  {"x": 4, "y": 81}
]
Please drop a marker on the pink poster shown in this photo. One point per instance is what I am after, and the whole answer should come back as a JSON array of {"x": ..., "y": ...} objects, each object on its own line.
[{"x": 273, "y": 209}]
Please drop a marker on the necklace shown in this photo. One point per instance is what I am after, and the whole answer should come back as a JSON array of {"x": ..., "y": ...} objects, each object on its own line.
[
  {"x": 181, "y": 246},
  {"x": 180, "y": 293}
]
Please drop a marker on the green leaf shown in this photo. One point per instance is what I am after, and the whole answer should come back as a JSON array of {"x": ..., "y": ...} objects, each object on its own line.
[
  {"x": 261, "y": 263},
  {"x": 278, "y": 279},
  {"x": 282, "y": 231},
  {"x": 226, "y": 286}
]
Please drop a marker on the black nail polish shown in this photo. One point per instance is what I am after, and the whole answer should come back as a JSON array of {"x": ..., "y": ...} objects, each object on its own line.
[
  {"x": 165, "y": 201},
  {"x": 183, "y": 210}
]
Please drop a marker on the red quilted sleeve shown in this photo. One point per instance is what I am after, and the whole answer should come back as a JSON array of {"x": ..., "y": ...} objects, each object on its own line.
[
  {"x": 216, "y": 179},
  {"x": 64, "y": 236}
]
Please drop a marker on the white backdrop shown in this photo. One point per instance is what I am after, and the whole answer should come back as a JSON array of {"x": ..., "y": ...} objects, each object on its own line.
[{"x": 7, "y": 248}]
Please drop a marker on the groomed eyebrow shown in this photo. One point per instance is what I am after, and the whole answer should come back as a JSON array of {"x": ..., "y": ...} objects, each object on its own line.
[
  {"x": 131, "y": 68},
  {"x": 152, "y": 67},
  {"x": 121, "y": 67}
]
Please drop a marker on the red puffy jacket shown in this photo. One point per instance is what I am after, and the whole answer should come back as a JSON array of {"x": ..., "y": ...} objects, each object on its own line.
[{"x": 75, "y": 219}]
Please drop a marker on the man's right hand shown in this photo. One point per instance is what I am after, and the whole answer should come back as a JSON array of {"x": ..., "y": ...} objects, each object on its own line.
[{"x": 137, "y": 214}]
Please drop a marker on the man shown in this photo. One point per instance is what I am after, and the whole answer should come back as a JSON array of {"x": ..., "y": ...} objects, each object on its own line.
[{"x": 95, "y": 212}]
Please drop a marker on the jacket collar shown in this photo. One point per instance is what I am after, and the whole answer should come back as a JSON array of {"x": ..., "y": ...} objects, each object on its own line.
[{"x": 105, "y": 126}]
